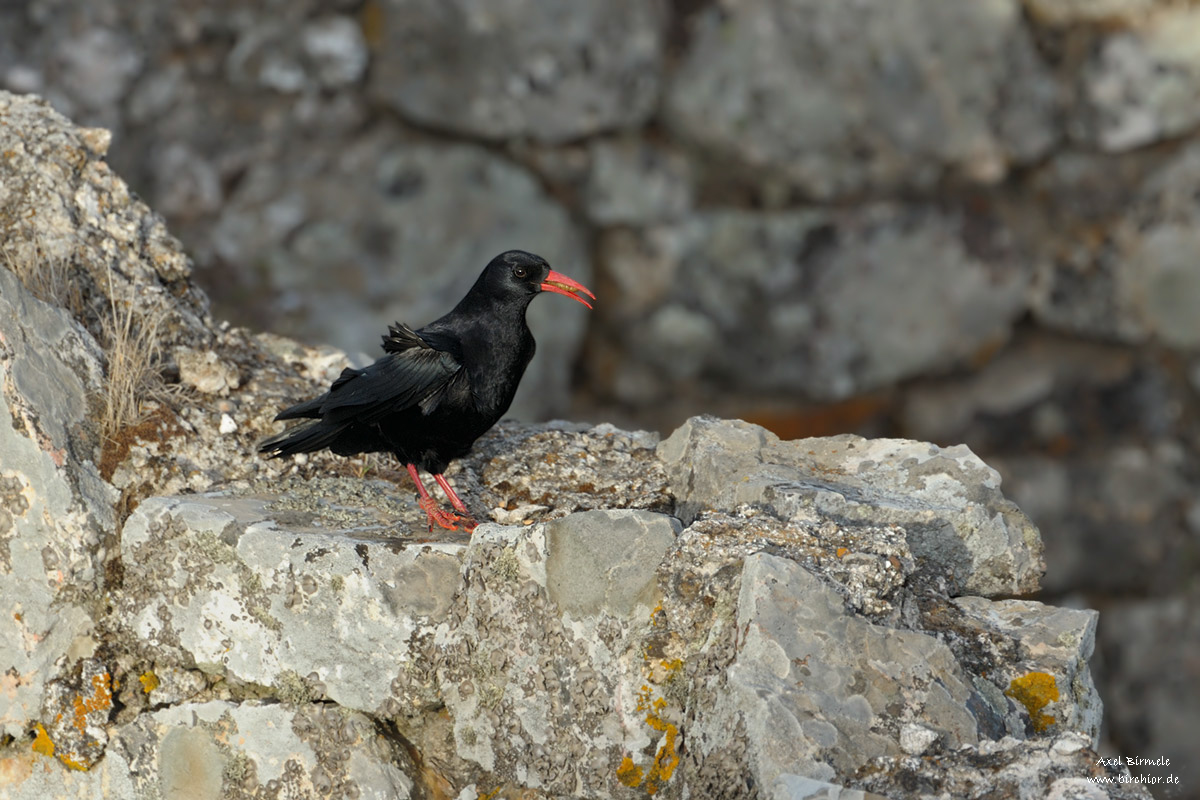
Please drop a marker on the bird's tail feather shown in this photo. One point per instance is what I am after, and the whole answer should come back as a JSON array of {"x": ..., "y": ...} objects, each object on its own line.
[
  {"x": 309, "y": 408},
  {"x": 300, "y": 439}
]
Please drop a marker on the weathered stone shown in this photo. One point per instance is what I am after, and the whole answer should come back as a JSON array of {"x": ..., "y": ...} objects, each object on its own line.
[
  {"x": 607, "y": 653},
  {"x": 958, "y": 524},
  {"x": 214, "y": 582},
  {"x": 287, "y": 53},
  {"x": 226, "y": 750},
  {"x": 1063, "y": 767},
  {"x": 1135, "y": 80},
  {"x": 205, "y": 372},
  {"x": 1072, "y": 12},
  {"x": 525, "y": 472},
  {"x": 838, "y": 99},
  {"x": 71, "y": 223},
  {"x": 822, "y": 303},
  {"x": 813, "y": 684},
  {"x": 631, "y": 182},
  {"x": 520, "y": 68},
  {"x": 576, "y": 549},
  {"x": 1052, "y": 680},
  {"x": 56, "y": 514},
  {"x": 1113, "y": 514},
  {"x": 1154, "y": 645}
]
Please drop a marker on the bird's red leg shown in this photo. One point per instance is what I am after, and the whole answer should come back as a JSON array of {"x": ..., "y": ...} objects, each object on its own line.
[
  {"x": 443, "y": 519},
  {"x": 454, "y": 499},
  {"x": 468, "y": 523}
]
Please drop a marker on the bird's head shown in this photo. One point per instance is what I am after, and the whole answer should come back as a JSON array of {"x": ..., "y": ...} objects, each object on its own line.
[{"x": 517, "y": 273}]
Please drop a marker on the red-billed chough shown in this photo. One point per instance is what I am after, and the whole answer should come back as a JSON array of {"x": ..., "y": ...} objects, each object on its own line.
[{"x": 437, "y": 389}]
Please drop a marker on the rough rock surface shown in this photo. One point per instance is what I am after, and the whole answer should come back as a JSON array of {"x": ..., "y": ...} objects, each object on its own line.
[
  {"x": 577, "y": 655},
  {"x": 57, "y": 517},
  {"x": 521, "y": 67},
  {"x": 787, "y": 287},
  {"x": 956, "y": 521},
  {"x": 839, "y": 98}
]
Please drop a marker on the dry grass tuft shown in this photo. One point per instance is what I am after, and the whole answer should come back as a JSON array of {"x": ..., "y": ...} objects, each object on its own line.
[
  {"x": 47, "y": 278},
  {"x": 131, "y": 342},
  {"x": 128, "y": 338}
]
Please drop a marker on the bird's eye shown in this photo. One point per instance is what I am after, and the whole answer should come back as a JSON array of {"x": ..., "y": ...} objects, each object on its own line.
[{"x": 520, "y": 272}]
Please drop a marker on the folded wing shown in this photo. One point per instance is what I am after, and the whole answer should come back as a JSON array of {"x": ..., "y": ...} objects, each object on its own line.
[{"x": 413, "y": 373}]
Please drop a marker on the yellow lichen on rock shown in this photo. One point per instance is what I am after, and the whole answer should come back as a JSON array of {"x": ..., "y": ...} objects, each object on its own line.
[
  {"x": 149, "y": 681},
  {"x": 42, "y": 742},
  {"x": 1035, "y": 691},
  {"x": 666, "y": 758}
]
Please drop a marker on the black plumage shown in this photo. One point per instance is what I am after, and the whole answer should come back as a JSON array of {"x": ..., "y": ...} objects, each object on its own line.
[{"x": 437, "y": 389}]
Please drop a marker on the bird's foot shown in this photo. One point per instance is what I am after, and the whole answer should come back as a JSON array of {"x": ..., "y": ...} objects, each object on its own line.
[{"x": 446, "y": 519}]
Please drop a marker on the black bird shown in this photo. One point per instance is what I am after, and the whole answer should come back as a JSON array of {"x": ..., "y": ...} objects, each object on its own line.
[{"x": 438, "y": 389}]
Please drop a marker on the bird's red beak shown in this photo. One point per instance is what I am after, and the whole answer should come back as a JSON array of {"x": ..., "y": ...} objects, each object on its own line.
[{"x": 560, "y": 284}]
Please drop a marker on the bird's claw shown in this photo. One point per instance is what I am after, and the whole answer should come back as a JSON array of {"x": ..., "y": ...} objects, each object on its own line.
[{"x": 446, "y": 519}]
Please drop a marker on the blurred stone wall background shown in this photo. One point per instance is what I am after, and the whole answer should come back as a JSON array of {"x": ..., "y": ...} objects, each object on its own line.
[{"x": 958, "y": 221}]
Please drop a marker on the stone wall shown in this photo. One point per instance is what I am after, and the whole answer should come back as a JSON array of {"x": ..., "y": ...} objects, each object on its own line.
[{"x": 970, "y": 222}]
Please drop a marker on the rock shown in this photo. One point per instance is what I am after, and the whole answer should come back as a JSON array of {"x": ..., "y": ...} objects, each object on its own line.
[
  {"x": 552, "y": 470},
  {"x": 205, "y": 372},
  {"x": 441, "y": 212},
  {"x": 1141, "y": 284},
  {"x": 1069, "y": 12},
  {"x": 1154, "y": 694},
  {"x": 215, "y": 624},
  {"x": 575, "y": 549},
  {"x": 219, "y": 749},
  {"x": 56, "y": 514},
  {"x": 602, "y": 636},
  {"x": 815, "y": 299},
  {"x": 1135, "y": 496},
  {"x": 957, "y": 523},
  {"x": 62, "y": 206},
  {"x": 1052, "y": 679},
  {"x": 520, "y": 68},
  {"x": 837, "y": 100},
  {"x": 212, "y": 583},
  {"x": 1061, "y": 767},
  {"x": 288, "y": 53},
  {"x": 1133, "y": 79},
  {"x": 633, "y": 183},
  {"x": 810, "y": 684}
]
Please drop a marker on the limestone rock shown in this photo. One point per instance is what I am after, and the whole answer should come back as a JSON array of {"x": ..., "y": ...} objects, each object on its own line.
[
  {"x": 1134, "y": 79},
  {"x": 219, "y": 749},
  {"x": 948, "y": 501},
  {"x": 810, "y": 685},
  {"x": 537, "y": 472},
  {"x": 821, "y": 303},
  {"x": 631, "y": 182},
  {"x": 1052, "y": 679},
  {"x": 205, "y": 372},
  {"x": 1156, "y": 696},
  {"x": 56, "y": 513},
  {"x": 213, "y": 583},
  {"x": 572, "y": 655},
  {"x": 1064, "y": 767},
  {"x": 520, "y": 68},
  {"x": 62, "y": 206},
  {"x": 838, "y": 99},
  {"x": 714, "y": 615},
  {"x": 1141, "y": 283}
]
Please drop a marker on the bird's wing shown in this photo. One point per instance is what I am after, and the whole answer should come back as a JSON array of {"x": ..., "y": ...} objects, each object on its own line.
[{"x": 412, "y": 373}]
